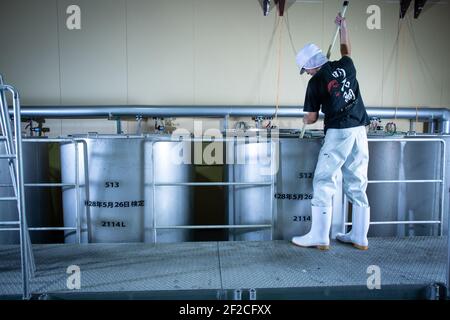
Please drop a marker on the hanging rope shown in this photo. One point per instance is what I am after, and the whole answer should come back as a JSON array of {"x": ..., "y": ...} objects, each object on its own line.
[
  {"x": 411, "y": 85},
  {"x": 288, "y": 28},
  {"x": 417, "y": 116},
  {"x": 399, "y": 44},
  {"x": 280, "y": 55}
]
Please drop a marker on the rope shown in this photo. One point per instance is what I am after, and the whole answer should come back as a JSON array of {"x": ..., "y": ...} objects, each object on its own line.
[
  {"x": 397, "y": 80},
  {"x": 422, "y": 61},
  {"x": 417, "y": 116},
  {"x": 411, "y": 85},
  {"x": 280, "y": 46},
  {"x": 288, "y": 28},
  {"x": 399, "y": 45}
]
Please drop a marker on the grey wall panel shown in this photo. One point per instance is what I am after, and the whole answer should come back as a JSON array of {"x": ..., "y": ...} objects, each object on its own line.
[
  {"x": 303, "y": 23},
  {"x": 390, "y": 55},
  {"x": 413, "y": 66},
  {"x": 226, "y": 51},
  {"x": 29, "y": 49},
  {"x": 93, "y": 59},
  {"x": 160, "y": 51},
  {"x": 214, "y": 52},
  {"x": 427, "y": 48},
  {"x": 445, "y": 94},
  {"x": 446, "y": 87}
]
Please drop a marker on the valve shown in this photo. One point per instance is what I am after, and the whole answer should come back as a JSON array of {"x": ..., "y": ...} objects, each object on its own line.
[
  {"x": 159, "y": 124},
  {"x": 391, "y": 127},
  {"x": 375, "y": 124},
  {"x": 259, "y": 122},
  {"x": 39, "y": 129}
]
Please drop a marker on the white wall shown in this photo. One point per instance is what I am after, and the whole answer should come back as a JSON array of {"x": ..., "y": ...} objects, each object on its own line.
[{"x": 201, "y": 52}]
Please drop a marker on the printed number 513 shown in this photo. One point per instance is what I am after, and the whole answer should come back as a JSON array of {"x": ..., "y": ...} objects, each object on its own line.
[{"x": 113, "y": 184}]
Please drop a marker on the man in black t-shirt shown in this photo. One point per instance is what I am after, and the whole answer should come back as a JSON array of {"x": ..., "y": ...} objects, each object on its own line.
[{"x": 334, "y": 89}]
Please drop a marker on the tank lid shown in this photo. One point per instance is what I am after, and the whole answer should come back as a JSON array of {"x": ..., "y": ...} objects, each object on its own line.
[{"x": 94, "y": 135}]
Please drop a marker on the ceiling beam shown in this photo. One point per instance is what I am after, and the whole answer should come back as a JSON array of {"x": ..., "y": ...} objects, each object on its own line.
[
  {"x": 404, "y": 5},
  {"x": 418, "y": 6},
  {"x": 266, "y": 7},
  {"x": 281, "y": 4}
]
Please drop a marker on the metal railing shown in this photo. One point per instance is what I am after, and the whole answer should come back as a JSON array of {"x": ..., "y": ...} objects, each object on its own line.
[
  {"x": 442, "y": 198},
  {"x": 154, "y": 184},
  {"x": 441, "y": 181},
  {"x": 75, "y": 185},
  {"x": 13, "y": 149},
  {"x": 271, "y": 183}
]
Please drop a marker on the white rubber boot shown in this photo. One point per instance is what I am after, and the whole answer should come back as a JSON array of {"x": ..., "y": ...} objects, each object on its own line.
[
  {"x": 360, "y": 226},
  {"x": 319, "y": 235}
]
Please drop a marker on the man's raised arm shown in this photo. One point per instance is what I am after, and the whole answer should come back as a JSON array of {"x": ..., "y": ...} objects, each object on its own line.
[{"x": 345, "y": 40}]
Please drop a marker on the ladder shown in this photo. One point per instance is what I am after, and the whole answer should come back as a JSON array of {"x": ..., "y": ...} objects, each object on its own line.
[{"x": 13, "y": 149}]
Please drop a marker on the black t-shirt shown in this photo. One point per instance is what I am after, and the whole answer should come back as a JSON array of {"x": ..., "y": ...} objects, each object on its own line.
[{"x": 335, "y": 88}]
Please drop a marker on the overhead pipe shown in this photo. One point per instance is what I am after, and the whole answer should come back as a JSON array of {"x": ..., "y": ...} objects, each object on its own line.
[
  {"x": 213, "y": 111},
  {"x": 441, "y": 115},
  {"x": 157, "y": 111}
]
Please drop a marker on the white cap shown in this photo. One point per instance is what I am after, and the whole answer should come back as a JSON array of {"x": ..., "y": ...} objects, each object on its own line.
[{"x": 310, "y": 57}]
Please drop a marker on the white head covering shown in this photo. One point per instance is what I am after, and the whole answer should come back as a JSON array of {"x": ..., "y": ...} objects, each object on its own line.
[{"x": 310, "y": 57}]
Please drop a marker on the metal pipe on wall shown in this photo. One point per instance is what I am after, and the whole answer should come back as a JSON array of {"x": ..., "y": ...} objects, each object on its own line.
[
  {"x": 431, "y": 127},
  {"x": 444, "y": 126},
  {"x": 215, "y": 111},
  {"x": 441, "y": 115}
]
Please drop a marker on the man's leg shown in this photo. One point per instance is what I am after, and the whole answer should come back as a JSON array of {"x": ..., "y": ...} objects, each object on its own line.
[
  {"x": 338, "y": 144},
  {"x": 354, "y": 173}
]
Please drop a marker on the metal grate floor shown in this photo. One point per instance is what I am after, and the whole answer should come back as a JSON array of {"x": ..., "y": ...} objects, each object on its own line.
[{"x": 225, "y": 265}]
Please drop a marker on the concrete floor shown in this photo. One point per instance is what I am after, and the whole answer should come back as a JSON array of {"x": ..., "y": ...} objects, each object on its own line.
[{"x": 218, "y": 269}]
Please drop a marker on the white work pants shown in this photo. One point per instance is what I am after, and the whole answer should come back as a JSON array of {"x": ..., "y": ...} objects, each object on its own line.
[{"x": 346, "y": 150}]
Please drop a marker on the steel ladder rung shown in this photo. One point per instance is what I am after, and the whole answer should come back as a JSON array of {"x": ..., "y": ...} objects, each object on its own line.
[
  {"x": 8, "y": 199},
  {"x": 28, "y": 266},
  {"x": 7, "y": 156},
  {"x": 50, "y": 184},
  {"x": 8, "y": 223}
]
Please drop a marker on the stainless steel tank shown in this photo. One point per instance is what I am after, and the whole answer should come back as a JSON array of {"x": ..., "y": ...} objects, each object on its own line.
[
  {"x": 173, "y": 205},
  {"x": 294, "y": 189},
  {"x": 116, "y": 197},
  {"x": 251, "y": 161},
  {"x": 38, "y": 203},
  {"x": 392, "y": 160},
  {"x": 298, "y": 158},
  {"x": 111, "y": 200},
  {"x": 446, "y": 138},
  {"x": 385, "y": 160},
  {"x": 389, "y": 160}
]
